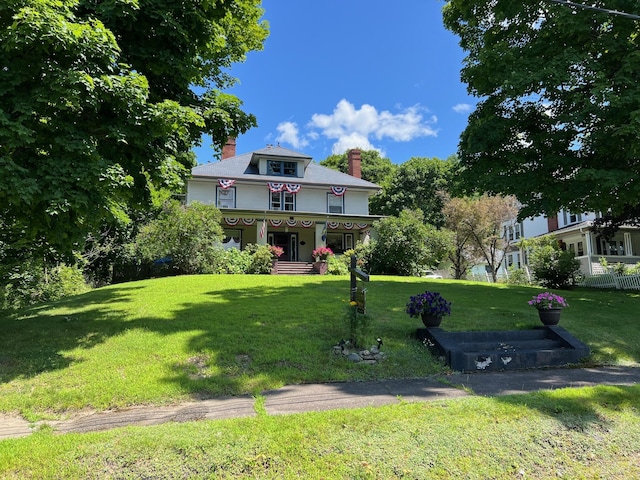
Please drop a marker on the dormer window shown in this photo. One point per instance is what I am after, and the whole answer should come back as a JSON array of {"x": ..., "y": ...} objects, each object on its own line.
[{"x": 281, "y": 168}]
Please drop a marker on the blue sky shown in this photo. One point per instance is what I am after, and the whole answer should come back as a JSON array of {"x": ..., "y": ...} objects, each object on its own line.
[{"x": 340, "y": 74}]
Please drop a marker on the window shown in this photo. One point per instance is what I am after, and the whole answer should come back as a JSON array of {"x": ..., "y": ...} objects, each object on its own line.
[
  {"x": 226, "y": 197},
  {"x": 518, "y": 228},
  {"x": 232, "y": 239},
  {"x": 570, "y": 218},
  {"x": 285, "y": 169},
  {"x": 339, "y": 242},
  {"x": 335, "y": 203},
  {"x": 580, "y": 249},
  {"x": 283, "y": 201}
]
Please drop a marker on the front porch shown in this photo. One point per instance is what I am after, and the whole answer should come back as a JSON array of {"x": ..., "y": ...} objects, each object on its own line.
[
  {"x": 297, "y": 233},
  {"x": 592, "y": 264}
]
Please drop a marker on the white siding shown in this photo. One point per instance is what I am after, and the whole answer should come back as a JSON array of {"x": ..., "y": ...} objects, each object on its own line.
[{"x": 256, "y": 197}]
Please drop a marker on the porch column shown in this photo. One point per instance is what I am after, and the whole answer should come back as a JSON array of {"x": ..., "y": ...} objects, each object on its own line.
[
  {"x": 589, "y": 250},
  {"x": 628, "y": 246},
  {"x": 261, "y": 227},
  {"x": 321, "y": 231}
]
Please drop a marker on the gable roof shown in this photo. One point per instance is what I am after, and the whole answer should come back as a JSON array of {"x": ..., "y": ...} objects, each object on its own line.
[{"x": 245, "y": 167}]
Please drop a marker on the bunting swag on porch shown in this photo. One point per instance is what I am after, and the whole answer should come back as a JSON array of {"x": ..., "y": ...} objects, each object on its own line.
[
  {"x": 278, "y": 187},
  {"x": 225, "y": 183},
  {"x": 338, "y": 191}
]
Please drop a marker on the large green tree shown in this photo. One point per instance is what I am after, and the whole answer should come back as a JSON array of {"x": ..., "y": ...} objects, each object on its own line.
[
  {"x": 418, "y": 184},
  {"x": 558, "y": 121},
  {"x": 98, "y": 104}
]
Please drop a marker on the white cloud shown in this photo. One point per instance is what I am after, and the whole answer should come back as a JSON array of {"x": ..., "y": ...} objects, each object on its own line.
[
  {"x": 349, "y": 127},
  {"x": 290, "y": 134},
  {"x": 462, "y": 108}
]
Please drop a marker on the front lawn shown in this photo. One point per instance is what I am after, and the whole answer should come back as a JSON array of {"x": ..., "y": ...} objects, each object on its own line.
[
  {"x": 172, "y": 339},
  {"x": 582, "y": 433}
]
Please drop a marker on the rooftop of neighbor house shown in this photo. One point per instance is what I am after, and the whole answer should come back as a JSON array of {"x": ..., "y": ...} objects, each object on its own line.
[{"x": 244, "y": 167}]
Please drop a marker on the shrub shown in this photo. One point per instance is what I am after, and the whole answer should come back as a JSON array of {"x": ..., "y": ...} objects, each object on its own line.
[
  {"x": 634, "y": 270},
  {"x": 406, "y": 246},
  {"x": 620, "y": 268},
  {"x": 338, "y": 264},
  {"x": 261, "y": 259},
  {"x": 518, "y": 276},
  {"x": 188, "y": 235},
  {"x": 34, "y": 282},
  {"x": 552, "y": 266},
  {"x": 235, "y": 261}
]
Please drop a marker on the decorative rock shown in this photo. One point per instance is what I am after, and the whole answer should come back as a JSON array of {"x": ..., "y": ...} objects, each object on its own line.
[
  {"x": 366, "y": 357},
  {"x": 354, "y": 357}
]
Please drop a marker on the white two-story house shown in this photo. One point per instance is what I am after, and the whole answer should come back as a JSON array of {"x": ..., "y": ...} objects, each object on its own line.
[
  {"x": 576, "y": 233},
  {"x": 283, "y": 198}
]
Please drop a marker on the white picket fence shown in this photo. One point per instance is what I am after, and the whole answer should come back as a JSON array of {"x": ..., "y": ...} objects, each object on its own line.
[{"x": 612, "y": 280}]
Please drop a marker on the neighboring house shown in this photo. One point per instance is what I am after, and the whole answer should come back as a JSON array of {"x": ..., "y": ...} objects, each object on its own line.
[
  {"x": 280, "y": 197},
  {"x": 576, "y": 233}
]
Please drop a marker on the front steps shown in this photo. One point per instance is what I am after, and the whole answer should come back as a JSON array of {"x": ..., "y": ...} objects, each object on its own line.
[
  {"x": 505, "y": 350},
  {"x": 295, "y": 268}
]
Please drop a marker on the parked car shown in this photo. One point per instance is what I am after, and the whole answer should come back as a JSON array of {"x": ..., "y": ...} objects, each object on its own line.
[{"x": 431, "y": 274}]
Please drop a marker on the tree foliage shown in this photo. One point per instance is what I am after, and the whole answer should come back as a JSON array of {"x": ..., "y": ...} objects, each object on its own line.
[
  {"x": 405, "y": 245},
  {"x": 478, "y": 227},
  {"x": 418, "y": 184},
  {"x": 188, "y": 236},
  {"x": 463, "y": 254},
  {"x": 96, "y": 105},
  {"x": 558, "y": 123}
]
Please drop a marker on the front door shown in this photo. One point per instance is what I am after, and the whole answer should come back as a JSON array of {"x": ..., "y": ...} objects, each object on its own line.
[{"x": 288, "y": 242}]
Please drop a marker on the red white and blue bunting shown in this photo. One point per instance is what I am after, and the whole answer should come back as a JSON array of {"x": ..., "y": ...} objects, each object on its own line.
[
  {"x": 232, "y": 221},
  {"x": 338, "y": 191},
  {"x": 275, "y": 187},
  {"x": 278, "y": 187},
  {"x": 225, "y": 183}
]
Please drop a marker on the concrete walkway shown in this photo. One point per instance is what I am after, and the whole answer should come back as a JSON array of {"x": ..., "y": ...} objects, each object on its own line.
[{"x": 329, "y": 396}]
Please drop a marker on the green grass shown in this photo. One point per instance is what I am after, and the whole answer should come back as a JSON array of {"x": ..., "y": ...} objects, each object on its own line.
[
  {"x": 173, "y": 339},
  {"x": 569, "y": 433}
]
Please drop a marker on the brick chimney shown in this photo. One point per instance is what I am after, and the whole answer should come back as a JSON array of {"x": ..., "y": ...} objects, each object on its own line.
[
  {"x": 552, "y": 223},
  {"x": 354, "y": 162},
  {"x": 229, "y": 149}
]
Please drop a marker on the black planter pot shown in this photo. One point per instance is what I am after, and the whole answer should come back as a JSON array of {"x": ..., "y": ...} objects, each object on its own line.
[
  {"x": 431, "y": 320},
  {"x": 550, "y": 316}
]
